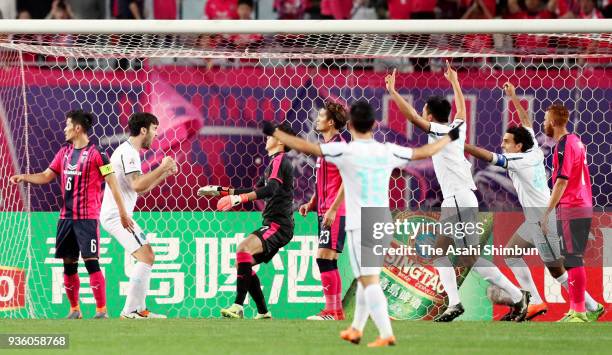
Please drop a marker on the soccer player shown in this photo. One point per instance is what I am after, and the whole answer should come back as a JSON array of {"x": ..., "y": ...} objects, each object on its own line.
[
  {"x": 573, "y": 200},
  {"x": 460, "y": 205},
  {"x": 82, "y": 168},
  {"x": 365, "y": 166},
  {"x": 328, "y": 201},
  {"x": 132, "y": 182},
  {"x": 524, "y": 161},
  {"x": 276, "y": 189}
]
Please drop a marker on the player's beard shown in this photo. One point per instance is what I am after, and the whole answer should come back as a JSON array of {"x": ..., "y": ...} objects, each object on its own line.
[{"x": 549, "y": 131}]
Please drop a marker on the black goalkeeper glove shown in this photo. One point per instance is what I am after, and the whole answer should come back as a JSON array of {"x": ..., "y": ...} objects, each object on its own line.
[
  {"x": 454, "y": 133},
  {"x": 268, "y": 128}
]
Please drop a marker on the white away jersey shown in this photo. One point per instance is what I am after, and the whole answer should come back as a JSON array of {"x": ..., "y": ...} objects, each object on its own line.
[
  {"x": 125, "y": 161},
  {"x": 365, "y": 167},
  {"x": 526, "y": 170},
  {"x": 453, "y": 170}
]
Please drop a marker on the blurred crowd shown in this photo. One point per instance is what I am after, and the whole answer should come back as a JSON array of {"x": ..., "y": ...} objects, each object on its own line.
[{"x": 304, "y": 9}]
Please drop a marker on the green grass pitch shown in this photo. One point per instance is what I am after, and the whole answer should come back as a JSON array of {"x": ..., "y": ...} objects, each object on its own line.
[{"x": 212, "y": 336}]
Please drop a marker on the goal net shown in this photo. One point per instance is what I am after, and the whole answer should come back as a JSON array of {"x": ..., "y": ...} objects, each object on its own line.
[{"x": 212, "y": 83}]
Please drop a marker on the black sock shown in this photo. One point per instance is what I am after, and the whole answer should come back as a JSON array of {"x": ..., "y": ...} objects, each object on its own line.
[
  {"x": 244, "y": 280},
  {"x": 257, "y": 294}
]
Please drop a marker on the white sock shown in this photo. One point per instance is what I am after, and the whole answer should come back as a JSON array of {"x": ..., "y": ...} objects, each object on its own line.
[
  {"x": 589, "y": 302},
  {"x": 491, "y": 273},
  {"x": 361, "y": 309},
  {"x": 138, "y": 287},
  {"x": 448, "y": 279},
  {"x": 377, "y": 306},
  {"x": 523, "y": 275}
]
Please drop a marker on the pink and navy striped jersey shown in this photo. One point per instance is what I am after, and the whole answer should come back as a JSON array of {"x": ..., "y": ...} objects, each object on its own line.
[
  {"x": 328, "y": 183},
  {"x": 82, "y": 173},
  {"x": 569, "y": 162}
]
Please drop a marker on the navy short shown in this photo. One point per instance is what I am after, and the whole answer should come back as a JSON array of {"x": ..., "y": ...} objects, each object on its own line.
[
  {"x": 574, "y": 235},
  {"x": 273, "y": 237},
  {"x": 76, "y": 236},
  {"x": 332, "y": 237}
]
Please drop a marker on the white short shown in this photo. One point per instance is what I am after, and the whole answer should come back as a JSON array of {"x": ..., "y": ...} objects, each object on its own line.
[
  {"x": 130, "y": 241},
  {"x": 461, "y": 208},
  {"x": 355, "y": 256},
  {"x": 549, "y": 247}
]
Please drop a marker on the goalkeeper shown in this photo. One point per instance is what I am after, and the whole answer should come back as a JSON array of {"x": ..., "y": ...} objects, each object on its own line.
[{"x": 276, "y": 189}]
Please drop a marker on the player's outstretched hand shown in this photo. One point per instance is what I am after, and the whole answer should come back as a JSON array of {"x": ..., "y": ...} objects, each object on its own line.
[
  {"x": 454, "y": 133},
  {"x": 450, "y": 74},
  {"x": 226, "y": 203},
  {"x": 390, "y": 81},
  {"x": 304, "y": 209},
  {"x": 509, "y": 89},
  {"x": 213, "y": 190},
  {"x": 16, "y": 179},
  {"x": 268, "y": 128}
]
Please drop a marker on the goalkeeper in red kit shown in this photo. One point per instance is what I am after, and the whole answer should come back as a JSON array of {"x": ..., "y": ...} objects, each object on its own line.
[
  {"x": 82, "y": 169},
  {"x": 276, "y": 189}
]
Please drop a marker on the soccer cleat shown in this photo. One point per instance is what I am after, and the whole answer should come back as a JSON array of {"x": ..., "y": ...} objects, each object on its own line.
[
  {"x": 450, "y": 313},
  {"x": 266, "y": 315},
  {"x": 593, "y": 316},
  {"x": 234, "y": 311},
  {"x": 75, "y": 313},
  {"x": 132, "y": 315},
  {"x": 101, "y": 313},
  {"x": 577, "y": 317},
  {"x": 351, "y": 334},
  {"x": 380, "y": 342},
  {"x": 566, "y": 316},
  {"x": 519, "y": 309},
  {"x": 327, "y": 315},
  {"x": 534, "y": 310},
  {"x": 150, "y": 315}
]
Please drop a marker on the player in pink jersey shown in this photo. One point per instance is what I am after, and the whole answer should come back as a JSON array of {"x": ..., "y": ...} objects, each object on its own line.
[
  {"x": 328, "y": 201},
  {"x": 573, "y": 200},
  {"x": 82, "y": 168}
]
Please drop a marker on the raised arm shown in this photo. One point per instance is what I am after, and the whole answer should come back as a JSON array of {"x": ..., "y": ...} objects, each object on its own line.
[
  {"x": 523, "y": 115},
  {"x": 405, "y": 108},
  {"x": 146, "y": 182},
  {"x": 293, "y": 142},
  {"x": 479, "y": 153},
  {"x": 38, "y": 179},
  {"x": 428, "y": 150},
  {"x": 451, "y": 75}
]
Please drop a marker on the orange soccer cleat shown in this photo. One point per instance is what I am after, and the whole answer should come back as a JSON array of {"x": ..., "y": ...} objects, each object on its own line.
[
  {"x": 381, "y": 342},
  {"x": 351, "y": 334},
  {"x": 534, "y": 310}
]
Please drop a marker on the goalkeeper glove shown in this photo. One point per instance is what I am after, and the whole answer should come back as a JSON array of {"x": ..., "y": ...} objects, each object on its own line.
[
  {"x": 268, "y": 128},
  {"x": 213, "y": 190},
  {"x": 454, "y": 133},
  {"x": 227, "y": 202}
]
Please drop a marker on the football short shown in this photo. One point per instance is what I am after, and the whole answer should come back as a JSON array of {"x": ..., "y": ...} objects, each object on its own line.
[
  {"x": 273, "y": 237},
  {"x": 357, "y": 253},
  {"x": 460, "y": 209},
  {"x": 332, "y": 237},
  {"x": 130, "y": 241},
  {"x": 574, "y": 235},
  {"x": 77, "y": 236},
  {"x": 548, "y": 246}
]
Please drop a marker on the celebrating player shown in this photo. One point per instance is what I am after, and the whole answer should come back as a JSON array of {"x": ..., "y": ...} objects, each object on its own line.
[
  {"x": 328, "y": 201},
  {"x": 365, "y": 166},
  {"x": 276, "y": 188},
  {"x": 460, "y": 204},
  {"x": 573, "y": 200},
  {"x": 126, "y": 162},
  {"x": 524, "y": 161},
  {"x": 82, "y": 168}
]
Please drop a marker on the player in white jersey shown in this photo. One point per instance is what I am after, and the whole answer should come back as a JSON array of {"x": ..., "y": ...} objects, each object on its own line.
[
  {"x": 460, "y": 205},
  {"x": 365, "y": 166},
  {"x": 524, "y": 160},
  {"x": 132, "y": 182}
]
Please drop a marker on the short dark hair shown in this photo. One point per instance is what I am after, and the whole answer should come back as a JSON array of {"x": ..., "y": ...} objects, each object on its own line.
[
  {"x": 337, "y": 113},
  {"x": 362, "y": 116},
  {"x": 140, "y": 120},
  {"x": 521, "y": 135},
  {"x": 81, "y": 118},
  {"x": 439, "y": 108},
  {"x": 286, "y": 127},
  {"x": 245, "y": 2}
]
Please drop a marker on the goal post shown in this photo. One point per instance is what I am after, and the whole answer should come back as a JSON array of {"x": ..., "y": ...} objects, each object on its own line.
[{"x": 211, "y": 83}]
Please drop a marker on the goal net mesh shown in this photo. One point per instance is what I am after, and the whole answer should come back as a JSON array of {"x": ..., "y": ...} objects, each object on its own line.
[{"x": 211, "y": 93}]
